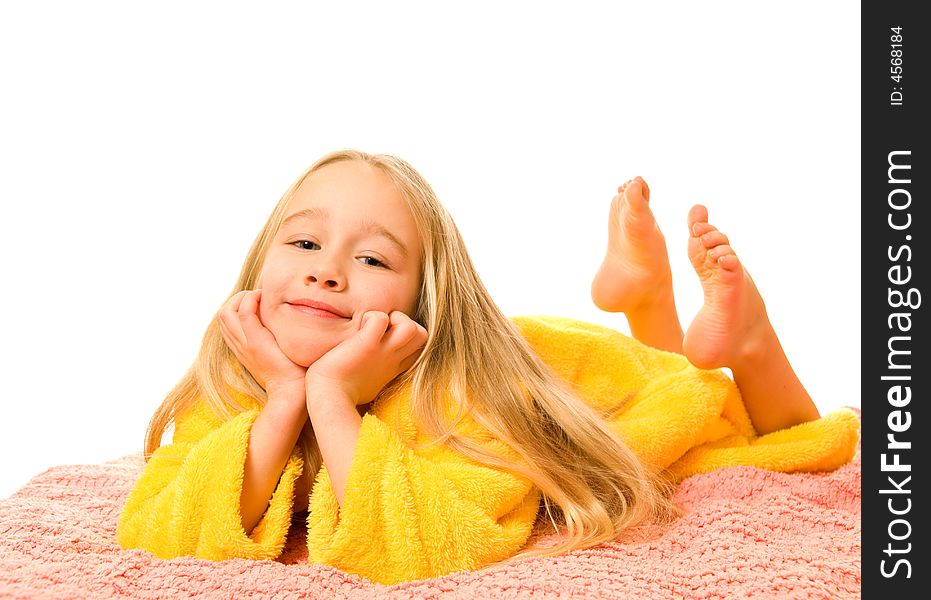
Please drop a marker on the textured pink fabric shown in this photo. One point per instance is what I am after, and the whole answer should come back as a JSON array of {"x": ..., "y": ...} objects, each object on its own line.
[{"x": 745, "y": 533}]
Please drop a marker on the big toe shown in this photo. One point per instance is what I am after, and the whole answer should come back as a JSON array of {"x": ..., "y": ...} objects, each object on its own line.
[
  {"x": 697, "y": 214},
  {"x": 637, "y": 196},
  {"x": 644, "y": 188}
]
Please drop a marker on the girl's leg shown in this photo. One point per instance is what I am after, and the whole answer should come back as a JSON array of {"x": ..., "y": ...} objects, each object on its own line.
[
  {"x": 635, "y": 277},
  {"x": 732, "y": 330}
]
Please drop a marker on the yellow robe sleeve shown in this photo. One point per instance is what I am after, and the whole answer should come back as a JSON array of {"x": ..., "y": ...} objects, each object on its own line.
[
  {"x": 186, "y": 502},
  {"x": 414, "y": 512},
  {"x": 674, "y": 415}
]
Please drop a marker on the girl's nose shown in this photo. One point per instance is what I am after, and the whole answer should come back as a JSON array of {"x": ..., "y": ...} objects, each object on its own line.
[
  {"x": 326, "y": 276},
  {"x": 330, "y": 283}
]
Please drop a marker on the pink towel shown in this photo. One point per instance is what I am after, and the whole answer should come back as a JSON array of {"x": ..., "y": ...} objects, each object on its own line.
[{"x": 745, "y": 533}]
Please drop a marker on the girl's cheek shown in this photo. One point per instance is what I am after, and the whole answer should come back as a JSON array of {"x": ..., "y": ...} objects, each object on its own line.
[
  {"x": 383, "y": 301},
  {"x": 264, "y": 311}
]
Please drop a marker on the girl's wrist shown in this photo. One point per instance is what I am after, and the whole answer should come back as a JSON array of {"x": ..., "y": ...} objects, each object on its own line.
[
  {"x": 291, "y": 392},
  {"x": 319, "y": 396}
]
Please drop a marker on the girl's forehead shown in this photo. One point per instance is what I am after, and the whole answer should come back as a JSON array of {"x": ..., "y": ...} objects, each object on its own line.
[
  {"x": 347, "y": 180},
  {"x": 355, "y": 195},
  {"x": 348, "y": 187}
]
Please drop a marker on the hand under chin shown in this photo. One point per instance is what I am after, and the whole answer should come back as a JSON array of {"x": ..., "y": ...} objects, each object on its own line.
[{"x": 306, "y": 356}]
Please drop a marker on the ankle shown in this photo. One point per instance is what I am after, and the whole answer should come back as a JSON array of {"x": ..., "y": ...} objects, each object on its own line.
[
  {"x": 654, "y": 308},
  {"x": 657, "y": 324},
  {"x": 660, "y": 302},
  {"x": 759, "y": 345}
]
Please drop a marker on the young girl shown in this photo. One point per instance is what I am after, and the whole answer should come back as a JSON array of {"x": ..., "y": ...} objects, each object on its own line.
[{"x": 360, "y": 372}]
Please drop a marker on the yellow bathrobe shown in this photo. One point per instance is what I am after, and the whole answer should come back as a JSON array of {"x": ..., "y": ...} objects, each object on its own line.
[{"x": 419, "y": 512}]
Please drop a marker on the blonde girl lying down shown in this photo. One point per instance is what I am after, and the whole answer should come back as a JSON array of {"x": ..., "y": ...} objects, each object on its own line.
[{"x": 360, "y": 372}]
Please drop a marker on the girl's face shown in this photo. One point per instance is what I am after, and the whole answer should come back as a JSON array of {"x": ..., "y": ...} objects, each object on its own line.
[{"x": 348, "y": 244}]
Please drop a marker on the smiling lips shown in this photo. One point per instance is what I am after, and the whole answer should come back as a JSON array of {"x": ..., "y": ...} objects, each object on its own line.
[{"x": 317, "y": 309}]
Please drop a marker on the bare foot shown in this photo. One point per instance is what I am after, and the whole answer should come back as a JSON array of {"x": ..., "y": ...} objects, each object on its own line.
[
  {"x": 733, "y": 330},
  {"x": 732, "y": 324},
  {"x": 635, "y": 272}
]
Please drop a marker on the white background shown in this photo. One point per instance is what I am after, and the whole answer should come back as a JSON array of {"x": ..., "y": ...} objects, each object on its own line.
[{"x": 142, "y": 147}]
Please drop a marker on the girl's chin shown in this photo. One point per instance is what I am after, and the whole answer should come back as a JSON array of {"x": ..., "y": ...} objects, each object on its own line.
[{"x": 304, "y": 356}]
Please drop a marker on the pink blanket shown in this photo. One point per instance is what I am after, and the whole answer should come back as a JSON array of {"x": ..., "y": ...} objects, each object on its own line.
[{"x": 745, "y": 533}]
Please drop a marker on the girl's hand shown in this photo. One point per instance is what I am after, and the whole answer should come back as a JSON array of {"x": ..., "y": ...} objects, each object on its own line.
[
  {"x": 359, "y": 367},
  {"x": 254, "y": 345}
]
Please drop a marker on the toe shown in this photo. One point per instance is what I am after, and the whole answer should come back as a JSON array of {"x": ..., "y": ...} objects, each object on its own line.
[
  {"x": 729, "y": 262},
  {"x": 697, "y": 214},
  {"x": 718, "y": 251},
  {"x": 644, "y": 188},
  {"x": 637, "y": 195},
  {"x": 701, "y": 228},
  {"x": 713, "y": 238}
]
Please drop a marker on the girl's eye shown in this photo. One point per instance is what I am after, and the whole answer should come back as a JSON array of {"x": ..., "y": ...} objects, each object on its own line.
[
  {"x": 306, "y": 245},
  {"x": 372, "y": 261}
]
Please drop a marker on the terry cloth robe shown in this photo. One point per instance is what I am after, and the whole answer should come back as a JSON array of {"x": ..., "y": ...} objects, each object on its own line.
[{"x": 414, "y": 512}]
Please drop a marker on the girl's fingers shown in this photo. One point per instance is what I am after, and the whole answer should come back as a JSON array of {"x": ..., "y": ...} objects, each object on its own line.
[
  {"x": 249, "y": 303},
  {"x": 417, "y": 340},
  {"x": 402, "y": 330},
  {"x": 374, "y": 324},
  {"x": 235, "y": 300},
  {"x": 410, "y": 360},
  {"x": 238, "y": 319},
  {"x": 391, "y": 339},
  {"x": 232, "y": 338},
  {"x": 249, "y": 316},
  {"x": 414, "y": 346},
  {"x": 405, "y": 332},
  {"x": 405, "y": 337},
  {"x": 227, "y": 312},
  {"x": 230, "y": 326}
]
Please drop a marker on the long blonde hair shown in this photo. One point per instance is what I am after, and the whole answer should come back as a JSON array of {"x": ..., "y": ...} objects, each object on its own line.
[{"x": 591, "y": 483}]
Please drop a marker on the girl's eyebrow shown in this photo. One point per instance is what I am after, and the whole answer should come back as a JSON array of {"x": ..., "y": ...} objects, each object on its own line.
[
  {"x": 308, "y": 213},
  {"x": 379, "y": 230},
  {"x": 368, "y": 227}
]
